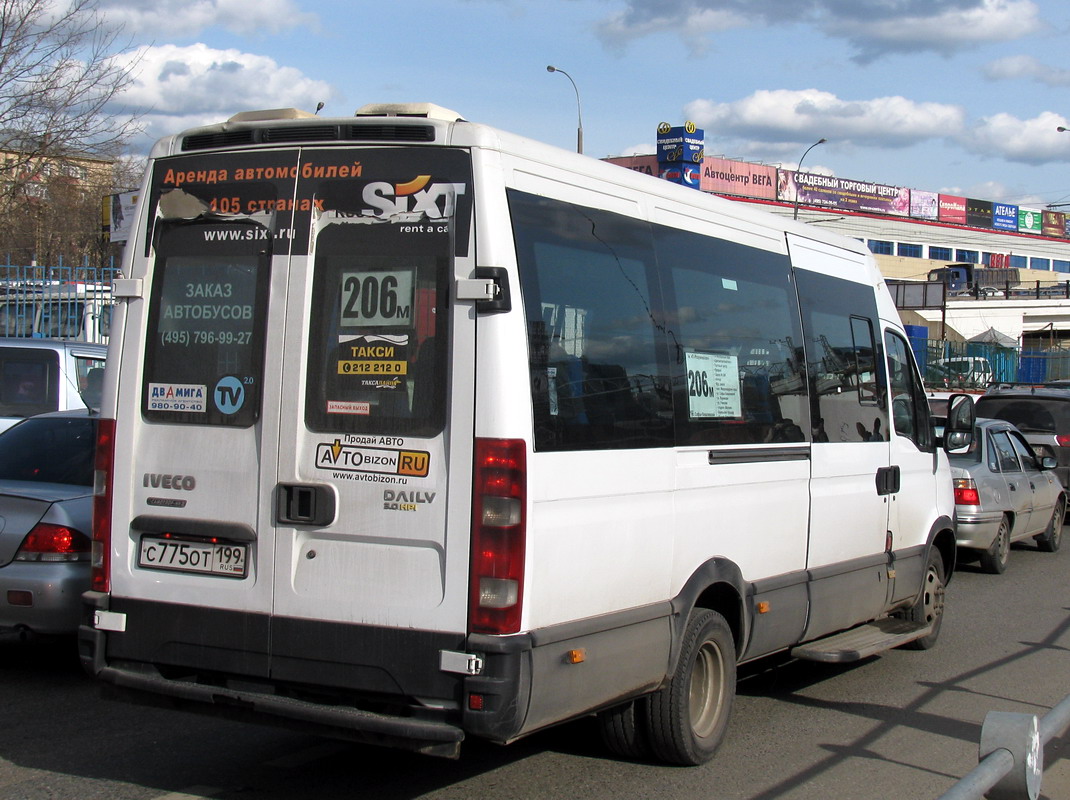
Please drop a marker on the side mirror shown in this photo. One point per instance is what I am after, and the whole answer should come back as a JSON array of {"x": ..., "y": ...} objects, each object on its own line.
[
  {"x": 958, "y": 427},
  {"x": 1047, "y": 462}
]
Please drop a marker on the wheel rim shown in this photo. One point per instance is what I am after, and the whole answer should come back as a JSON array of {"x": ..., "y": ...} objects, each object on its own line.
[
  {"x": 933, "y": 599},
  {"x": 1003, "y": 543},
  {"x": 707, "y": 690},
  {"x": 1057, "y": 525}
]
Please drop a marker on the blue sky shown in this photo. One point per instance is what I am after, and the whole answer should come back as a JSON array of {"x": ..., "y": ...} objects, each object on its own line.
[{"x": 960, "y": 96}]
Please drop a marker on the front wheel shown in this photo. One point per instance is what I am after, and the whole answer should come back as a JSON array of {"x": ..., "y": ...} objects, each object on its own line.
[
  {"x": 1052, "y": 537},
  {"x": 688, "y": 717},
  {"x": 929, "y": 607}
]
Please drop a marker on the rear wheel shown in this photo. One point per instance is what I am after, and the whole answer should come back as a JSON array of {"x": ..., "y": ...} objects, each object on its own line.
[
  {"x": 994, "y": 559},
  {"x": 689, "y": 716},
  {"x": 1052, "y": 537},
  {"x": 929, "y": 607}
]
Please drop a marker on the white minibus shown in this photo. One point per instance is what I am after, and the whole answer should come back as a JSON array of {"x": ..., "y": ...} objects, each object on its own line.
[{"x": 415, "y": 430}]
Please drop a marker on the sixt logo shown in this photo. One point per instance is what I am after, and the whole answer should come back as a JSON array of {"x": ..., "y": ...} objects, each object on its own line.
[{"x": 434, "y": 200}]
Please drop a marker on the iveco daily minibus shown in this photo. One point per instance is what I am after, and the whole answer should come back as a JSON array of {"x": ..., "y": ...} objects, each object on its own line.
[{"x": 415, "y": 430}]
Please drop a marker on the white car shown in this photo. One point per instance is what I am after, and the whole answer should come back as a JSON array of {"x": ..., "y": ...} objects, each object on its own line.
[{"x": 42, "y": 375}]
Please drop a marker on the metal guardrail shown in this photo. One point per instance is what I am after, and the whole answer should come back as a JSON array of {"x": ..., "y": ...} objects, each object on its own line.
[{"x": 1011, "y": 755}]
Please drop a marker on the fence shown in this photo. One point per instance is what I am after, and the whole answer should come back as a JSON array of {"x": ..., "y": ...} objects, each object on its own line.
[
  {"x": 1011, "y": 763},
  {"x": 973, "y": 365},
  {"x": 63, "y": 301}
]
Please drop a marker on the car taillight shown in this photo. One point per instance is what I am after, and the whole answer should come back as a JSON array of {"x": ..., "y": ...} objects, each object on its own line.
[
  {"x": 102, "y": 484},
  {"x": 498, "y": 534},
  {"x": 966, "y": 492},
  {"x": 46, "y": 542},
  {"x": 1062, "y": 440}
]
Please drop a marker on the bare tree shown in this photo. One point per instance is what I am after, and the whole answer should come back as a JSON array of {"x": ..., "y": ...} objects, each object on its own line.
[{"x": 58, "y": 75}]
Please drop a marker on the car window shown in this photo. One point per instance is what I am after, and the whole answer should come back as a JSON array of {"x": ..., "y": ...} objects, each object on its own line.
[
  {"x": 1006, "y": 456},
  {"x": 49, "y": 450},
  {"x": 1025, "y": 452},
  {"x": 1028, "y": 415}
]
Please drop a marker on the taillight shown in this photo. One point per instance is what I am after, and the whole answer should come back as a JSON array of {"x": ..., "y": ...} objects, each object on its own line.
[
  {"x": 1063, "y": 440},
  {"x": 48, "y": 542},
  {"x": 966, "y": 492},
  {"x": 498, "y": 532},
  {"x": 102, "y": 485}
]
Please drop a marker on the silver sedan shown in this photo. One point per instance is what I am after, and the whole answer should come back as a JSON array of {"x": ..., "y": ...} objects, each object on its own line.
[
  {"x": 1004, "y": 493},
  {"x": 46, "y": 498}
]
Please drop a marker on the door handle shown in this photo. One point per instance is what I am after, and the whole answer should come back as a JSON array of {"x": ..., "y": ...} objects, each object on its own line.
[
  {"x": 888, "y": 480},
  {"x": 304, "y": 504}
]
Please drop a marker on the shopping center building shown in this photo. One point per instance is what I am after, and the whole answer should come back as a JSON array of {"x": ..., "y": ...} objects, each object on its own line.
[{"x": 913, "y": 231}]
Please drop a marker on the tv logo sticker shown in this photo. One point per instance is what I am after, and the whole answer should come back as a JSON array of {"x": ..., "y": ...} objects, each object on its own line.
[{"x": 229, "y": 395}]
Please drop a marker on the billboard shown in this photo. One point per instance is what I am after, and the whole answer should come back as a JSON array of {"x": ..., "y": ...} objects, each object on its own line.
[
  {"x": 117, "y": 216},
  {"x": 924, "y": 205},
  {"x": 683, "y": 143},
  {"x": 1029, "y": 220},
  {"x": 680, "y": 153},
  {"x": 845, "y": 194},
  {"x": 1004, "y": 217},
  {"x": 1053, "y": 223},
  {"x": 725, "y": 176},
  {"x": 683, "y": 173},
  {"x": 648, "y": 165},
  {"x": 978, "y": 213},
  {"x": 952, "y": 209}
]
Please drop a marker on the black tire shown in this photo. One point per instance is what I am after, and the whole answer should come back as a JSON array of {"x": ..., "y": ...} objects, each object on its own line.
[
  {"x": 929, "y": 607},
  {"x": 688, "y": 717},
  {"x": 994, "y": 559},
  {"x": 623, "y": 730},
  {"x": 1052, "y": 538}
]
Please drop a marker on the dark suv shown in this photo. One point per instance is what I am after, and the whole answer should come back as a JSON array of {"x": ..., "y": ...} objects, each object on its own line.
[{"x": 1040, "y": 412}]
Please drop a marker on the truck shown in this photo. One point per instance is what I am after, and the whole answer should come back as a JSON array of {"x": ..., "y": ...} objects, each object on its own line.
[{"x": 968, "y": 277}]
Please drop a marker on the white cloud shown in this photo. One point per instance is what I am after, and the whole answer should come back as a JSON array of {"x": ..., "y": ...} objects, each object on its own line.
[
  {"x": 1019, "y": 67},
  {"x": 1028, "y": 141},
  {"x": 938, "y": 29},
  {"x": 179, "y": 87},
  {"x": 183, "y": 17},
  {"x": 693, "y": 24},
  {"x": 793, "y": 118},
  {"x": 874, "y": 28}
]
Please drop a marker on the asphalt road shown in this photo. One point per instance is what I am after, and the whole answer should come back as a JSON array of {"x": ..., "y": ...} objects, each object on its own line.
[{"x": 902, "y": 725}]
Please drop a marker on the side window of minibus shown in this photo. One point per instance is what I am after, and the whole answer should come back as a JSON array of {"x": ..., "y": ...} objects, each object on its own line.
[
  {"x": 597, "y": 357},
  {"x": 910, "y": 413},
  {"x": 733, "y": 325},
  {"x": 843, "y": 356}
]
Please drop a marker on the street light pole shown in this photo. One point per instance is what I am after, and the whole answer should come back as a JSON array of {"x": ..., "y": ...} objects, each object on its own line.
[
  {"x": 579, "y": 112},
  {"x": 798, "y": 169}
]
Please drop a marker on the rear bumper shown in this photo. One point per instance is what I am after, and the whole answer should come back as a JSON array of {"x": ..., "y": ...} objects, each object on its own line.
[
  {"x": 424, "y": 736},
  {"x": 358, "y": 683},
  {"x": 54, "y": 590},
  {"x": 977, "y": 530}
]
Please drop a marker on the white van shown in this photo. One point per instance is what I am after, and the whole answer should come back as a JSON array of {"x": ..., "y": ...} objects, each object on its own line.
[
  {"x": 429, "y": 431},
  {"x": 39, "y": 375},
  {"x": 963, "y": 372}
]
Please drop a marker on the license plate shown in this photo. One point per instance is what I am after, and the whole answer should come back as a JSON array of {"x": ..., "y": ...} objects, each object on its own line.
[{"x": 201, "y": 557}]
